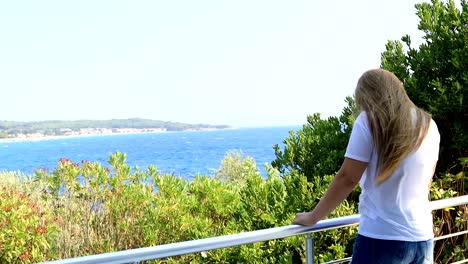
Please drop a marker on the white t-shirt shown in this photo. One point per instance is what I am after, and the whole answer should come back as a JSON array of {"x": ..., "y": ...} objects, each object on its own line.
[{"x": 397, "y": 209}]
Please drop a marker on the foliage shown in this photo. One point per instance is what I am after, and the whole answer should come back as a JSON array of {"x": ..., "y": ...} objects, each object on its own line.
[
  {"x": 104, "y": 210},
  {"x": 318, "y": 148},
  {"x": 97, "y": 212},
  {"x": 450, "y": 220},
  {"x": 236, "y": 168},
  {"x": 26, "y": 222},
  {"x": 436, "y": 74},
  {"x": 94, "y": 209}
]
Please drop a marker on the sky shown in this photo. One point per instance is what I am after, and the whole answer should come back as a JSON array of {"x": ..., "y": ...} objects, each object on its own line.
[{"x": 240, "y": 63}]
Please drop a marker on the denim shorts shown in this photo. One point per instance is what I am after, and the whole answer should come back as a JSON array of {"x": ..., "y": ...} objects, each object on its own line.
[{"x": 375, "y": 251}]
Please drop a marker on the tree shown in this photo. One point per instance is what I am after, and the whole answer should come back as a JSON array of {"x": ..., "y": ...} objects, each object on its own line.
[
  {"x": 436, "y": 74},
  {"x": 318, "y": 148},
  {"x": 236, "y": 168},
  {"x": 436, "y": 78}
]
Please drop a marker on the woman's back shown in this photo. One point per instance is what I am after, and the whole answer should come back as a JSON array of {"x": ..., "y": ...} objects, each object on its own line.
[{"x": 397, "y": 208}]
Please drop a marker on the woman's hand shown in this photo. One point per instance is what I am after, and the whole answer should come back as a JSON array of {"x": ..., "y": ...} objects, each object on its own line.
[
  {"x": 344, "y": 182},
  {"x": 305, "y": 219}
]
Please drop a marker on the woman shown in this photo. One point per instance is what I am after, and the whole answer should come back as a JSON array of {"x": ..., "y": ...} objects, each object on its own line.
[{"x": 392, "y": 153}]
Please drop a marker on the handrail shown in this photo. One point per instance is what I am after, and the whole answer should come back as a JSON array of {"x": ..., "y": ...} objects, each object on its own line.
[{"x": 194, "y": 246}]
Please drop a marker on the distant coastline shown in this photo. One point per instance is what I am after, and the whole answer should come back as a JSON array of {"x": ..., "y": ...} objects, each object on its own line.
[
  {"x": 96, "y": 132},
  {"x": 12, "y": 131}
]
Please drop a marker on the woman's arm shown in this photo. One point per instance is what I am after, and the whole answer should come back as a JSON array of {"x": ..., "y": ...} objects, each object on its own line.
[{"x": 344, "y": 182}]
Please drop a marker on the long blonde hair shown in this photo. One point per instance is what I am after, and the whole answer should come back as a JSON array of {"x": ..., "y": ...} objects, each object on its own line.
[{"x": 397, "y": 125}]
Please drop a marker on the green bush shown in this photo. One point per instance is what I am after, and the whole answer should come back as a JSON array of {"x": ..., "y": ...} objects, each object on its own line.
[
  {"x": 236, "y": 168},
  {"x": 318, "y": 148},
  {"x": 450, "y": 220},
  {"x": 435, "y": 75},
  {"x": 26, "y": 222},
  {"x": 90, "y": 209}
]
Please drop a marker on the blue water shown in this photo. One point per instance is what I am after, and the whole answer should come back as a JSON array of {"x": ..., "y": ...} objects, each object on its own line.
[{"x": 181, "y": 153}]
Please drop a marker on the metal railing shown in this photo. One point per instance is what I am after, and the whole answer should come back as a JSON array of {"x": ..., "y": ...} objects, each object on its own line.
[{"x": 200, "y": 245}]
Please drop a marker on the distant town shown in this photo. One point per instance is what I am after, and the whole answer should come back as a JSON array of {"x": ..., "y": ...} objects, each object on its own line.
[{"x": 18, "y": 131}]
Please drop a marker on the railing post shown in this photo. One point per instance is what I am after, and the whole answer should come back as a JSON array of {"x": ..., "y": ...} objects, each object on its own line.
[{"x": 309, "y": 249}]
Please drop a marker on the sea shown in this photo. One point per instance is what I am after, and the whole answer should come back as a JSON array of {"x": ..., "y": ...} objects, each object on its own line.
[{"x": 184, "y": 153}]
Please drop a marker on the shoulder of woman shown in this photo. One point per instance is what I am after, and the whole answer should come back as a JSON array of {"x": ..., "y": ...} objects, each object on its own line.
[
  {"x": 433, "y": 128},
  {"x": 361, "y": 119}
]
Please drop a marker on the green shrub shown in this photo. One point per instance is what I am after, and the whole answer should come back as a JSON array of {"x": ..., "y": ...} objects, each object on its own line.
[
  {"x": 26, "y": 222},
  {"x": 236, "y": 168},
  {"x": 450, "y": 220},
  {"x": 103, "y": 210},
  {"x": 435, "y": 74},
  {"x": 318, "y": 148}
]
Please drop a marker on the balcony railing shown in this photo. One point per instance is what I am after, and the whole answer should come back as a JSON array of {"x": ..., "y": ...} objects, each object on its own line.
[{"x": 200, "y": 245}]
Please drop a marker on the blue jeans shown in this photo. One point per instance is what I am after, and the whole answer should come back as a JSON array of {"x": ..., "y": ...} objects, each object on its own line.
[{"x": 375, "y": 251}]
